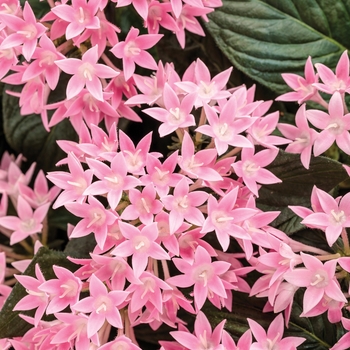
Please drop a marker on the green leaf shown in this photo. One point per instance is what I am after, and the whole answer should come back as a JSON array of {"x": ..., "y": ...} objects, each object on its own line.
[
  {"x": 11, "y": 325},
  {"x": 265, "y": 38},
  {"x": 26, "y": 134},
  {"x": 39, "y": 8},
  {"x": 296, "y": 186}
]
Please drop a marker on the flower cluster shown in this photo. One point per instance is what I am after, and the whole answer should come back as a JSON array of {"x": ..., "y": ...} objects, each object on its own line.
[{"x": 162, "y": 226}]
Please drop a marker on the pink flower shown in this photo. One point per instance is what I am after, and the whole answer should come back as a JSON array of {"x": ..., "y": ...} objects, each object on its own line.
[
  {"x": 203, "y": 337},
  {"x": 225, "y": 129},
  {"x": 203, "y": 274},
  {"x": 251, "y": 168},
  {"x": 147, "y": 291},
  {"x": 205, "y": 88},
  {"x": 304, "y": 88},
  {"x": 95, "y": 219},
  {"x": 335, "y": 126},
  {"x": 333, "y": 217},
  {"x": 44, "y": 63},
  {"x": 74, "y": 183},
  {"x": 302, "y": 135},
  {"x": 339, "y": 81},
  {"x": 81, "y": 15},
  {"x": 176, "y": 113},
  {"x": 343, "y": 342},
  {"x": 143, "y": 205},
  {"x": 27, "y": 223},
  {"x": 197, "y": 164},
  {"x": 103, "y": 306},
  {"x": 63, "y": 291},
  {"x": 112, "y": 180},
  {"x": 183, "y": 205},
  {"x": 86, "y": 72},
  {"x": 272, "y": 339},
  {"x": 132, "y": 51},
  {"x": 319, "y": 280},
  {"x": 35, "y": 298},
  {"x": 140, "y": 244},
  {"x": 224, "y": 217},
  {"x": 26, "y": 31}
]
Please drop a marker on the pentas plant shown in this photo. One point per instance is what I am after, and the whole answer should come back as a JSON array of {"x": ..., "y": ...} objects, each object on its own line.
[{"x": 170, "y": 234}]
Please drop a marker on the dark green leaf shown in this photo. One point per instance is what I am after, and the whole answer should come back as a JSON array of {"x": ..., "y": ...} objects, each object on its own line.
[
  {"x": 265, "y": 38},
  {"x": 296, "y": 186},
  {"x": 26, "y": 134},
  {"x": 39, "y": 8},
  {"x": 11, "y": 325}
]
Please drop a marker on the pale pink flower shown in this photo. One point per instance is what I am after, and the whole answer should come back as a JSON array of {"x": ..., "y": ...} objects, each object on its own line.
[
  {"x": 158, "y": 15},
  {"x": 224, "y": 218},
  {"x": 141, "y": 6},
  {"x": 140, "y": 244},
  {"x": 80, "y": 15},
  {"x": 95, "y": 219},
  {"x": 204, "y": 274},
  {"x": 333, "y": 217},
  {"x": 144, "y": 205},
  {"x": 343, "y": 342},
  {"x": 148, "y": 290},
  {"x": 102, "y": 305},
  {"x": 162, "y": 176},
  {"x": 251, "y": 168},
  {"x": 183, "y": 205},
  {"x": 197, "y": 164},
  {"x": 35, "y": 298},
  {"x": 319, "y": 280},
  {"x": 226, "y": 129},
  {"x": 63, "y": 291},
  {"x": 113, "y": 180},
  {"x": 26, "y": 31},
  {"x": 121, "y": 342},
  {"x": 335, "y": 126},
  {"x": 27, "y": 223},
  {"x": 207, "y": 89},
  {"x": 86, "y": 72},
  {"x": 340, "y": 81},
  {"x": 74, "y": 330},
  {"x": 302, "y": 136},
  {"x": 176, "y": 114},
  {"x": 74, "y": 182},
  {"x": 204, "y": 337},
  {"x": 132, "y": 51},
  {"x": 304, "y": 88},
  {"x": 43, "y": 63},
  {"x": 272, "y": 339},
  {"x": 244, "y": 342}
]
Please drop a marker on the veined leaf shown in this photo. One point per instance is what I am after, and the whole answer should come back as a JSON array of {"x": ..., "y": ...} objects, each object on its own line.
[{"x": 265, "y": 38}]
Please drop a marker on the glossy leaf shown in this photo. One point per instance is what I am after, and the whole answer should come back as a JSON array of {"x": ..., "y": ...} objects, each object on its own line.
[{"x": 265, "y": 38}]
